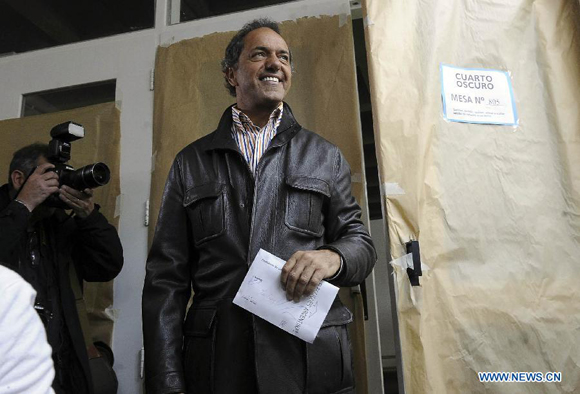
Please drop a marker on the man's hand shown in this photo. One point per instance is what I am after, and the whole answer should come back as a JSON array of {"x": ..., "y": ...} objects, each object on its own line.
[
  {"x": 81, "y": 202},
  {"x": 304, "y": 270},
  {"x": 40, "y": 184}
]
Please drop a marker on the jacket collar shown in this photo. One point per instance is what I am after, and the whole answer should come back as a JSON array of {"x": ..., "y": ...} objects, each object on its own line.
[{"x": 222, "y": 137}]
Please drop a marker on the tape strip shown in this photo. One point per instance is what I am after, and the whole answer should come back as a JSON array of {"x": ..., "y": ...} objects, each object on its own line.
[
  {"x": 118, "y": 203},
  {"x": 342, "y": 19},
  {"x": 392, "y": 189},
  {"x": 406, "y": 261},
  {"x": 112, "y": 313},
  {"x": 367, "y": 21},
  {"x": 153, "y": 161},
  {"x": 167, "y": 42},
  {"x": 118, "y": 98},
  {"x": 356, "y": 178}
]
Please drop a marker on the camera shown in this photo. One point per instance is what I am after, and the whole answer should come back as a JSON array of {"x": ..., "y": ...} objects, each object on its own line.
[{"x": 59, "y": 153}]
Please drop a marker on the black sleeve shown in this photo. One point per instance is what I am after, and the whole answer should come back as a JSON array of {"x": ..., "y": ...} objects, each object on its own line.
[
  {"x": 345, "y": 232},
  {"x": 13, "y": 223},
  {"x": 97, "y": 253},
  {"x": 167, "y": 290}
]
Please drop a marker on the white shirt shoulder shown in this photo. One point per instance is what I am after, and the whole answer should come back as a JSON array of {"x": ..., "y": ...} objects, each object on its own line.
[{"x": 25, "y": 355}]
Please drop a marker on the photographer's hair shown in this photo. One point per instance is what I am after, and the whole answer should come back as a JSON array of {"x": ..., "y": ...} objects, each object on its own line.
[
  {"x": 236, "y": 46},
  {"x": 24, "y": 159}
]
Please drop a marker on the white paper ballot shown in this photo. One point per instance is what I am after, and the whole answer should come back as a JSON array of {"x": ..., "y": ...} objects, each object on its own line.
[{"x": 261, "y": 293}]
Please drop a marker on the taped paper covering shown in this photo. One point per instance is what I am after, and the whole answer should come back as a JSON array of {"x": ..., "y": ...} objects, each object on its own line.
[
  {"x": 497, "y": 213},
  {"x": 190, "y": 98},
  {"x": 102, "y": 125}
]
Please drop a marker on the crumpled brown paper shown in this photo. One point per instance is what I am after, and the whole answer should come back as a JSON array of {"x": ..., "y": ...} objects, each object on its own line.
[{"x": 496, "y": 209}]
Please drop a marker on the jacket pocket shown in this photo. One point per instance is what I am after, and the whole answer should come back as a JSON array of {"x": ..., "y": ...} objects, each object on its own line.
[
  {"x": 329, "y": 358},
  {"x": 206, "y": 211},
  {"x": 199, "y": 350},
  {"x": 304, "y": 203}
]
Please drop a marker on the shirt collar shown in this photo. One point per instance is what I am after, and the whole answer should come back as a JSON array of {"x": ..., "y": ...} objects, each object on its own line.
[{"x": 240, "y": 119}]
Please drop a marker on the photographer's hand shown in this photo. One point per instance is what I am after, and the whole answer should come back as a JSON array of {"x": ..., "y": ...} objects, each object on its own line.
[
  {"x": 41, "y": 184},
  {"x": 81, "y": 202}
]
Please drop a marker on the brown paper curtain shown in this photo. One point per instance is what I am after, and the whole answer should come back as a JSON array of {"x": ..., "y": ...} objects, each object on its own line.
[
  {"x": 496, "y": 209},
  {"x": 190, "y": 98},
  {"x": 101, "y": 143}
]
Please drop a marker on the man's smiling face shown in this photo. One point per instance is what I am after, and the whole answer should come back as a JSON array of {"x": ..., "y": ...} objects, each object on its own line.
[{"x": 263, "y": 74}]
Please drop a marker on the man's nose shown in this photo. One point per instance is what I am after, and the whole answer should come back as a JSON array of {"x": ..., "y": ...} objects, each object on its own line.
[{"x": 273, "y": 62}]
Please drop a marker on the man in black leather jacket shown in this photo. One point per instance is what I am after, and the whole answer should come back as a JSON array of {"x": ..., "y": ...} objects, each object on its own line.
[
  {"x": 259, "y": 181},
  {"x": 40, "y": 243}
]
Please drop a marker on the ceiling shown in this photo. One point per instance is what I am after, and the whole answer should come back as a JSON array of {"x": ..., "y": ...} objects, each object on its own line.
[
  {"x": 197, "y": 9},
  {"x": 28, "y": 25}
]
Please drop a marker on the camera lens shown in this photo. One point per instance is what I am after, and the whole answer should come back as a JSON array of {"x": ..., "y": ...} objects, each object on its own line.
[
  {"x": 91, "y": 176},
  {"x": 100, "y": 174}
]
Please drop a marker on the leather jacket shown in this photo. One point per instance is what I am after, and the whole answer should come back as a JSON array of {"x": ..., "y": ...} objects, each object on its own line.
[{"x": 215, "y": 216}]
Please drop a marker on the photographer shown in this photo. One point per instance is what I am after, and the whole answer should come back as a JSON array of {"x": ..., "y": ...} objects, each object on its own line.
[{"x": 41, "y": 242}]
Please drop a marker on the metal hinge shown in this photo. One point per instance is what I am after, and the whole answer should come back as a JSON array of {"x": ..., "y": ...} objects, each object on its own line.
[{"x": 152, "y": 80}]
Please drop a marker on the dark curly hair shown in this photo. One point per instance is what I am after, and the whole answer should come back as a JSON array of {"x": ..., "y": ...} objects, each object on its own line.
[
  {"x": 236, "y": 46},
  {"x": 25, "y": 159}
]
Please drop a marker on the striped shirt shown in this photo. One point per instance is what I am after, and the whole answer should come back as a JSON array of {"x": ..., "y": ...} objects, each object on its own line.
[{"x": 251, "y": 139}]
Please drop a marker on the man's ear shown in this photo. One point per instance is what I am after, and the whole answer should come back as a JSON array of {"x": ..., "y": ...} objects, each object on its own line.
[
  {"x": 18, "y": 179},
  {"x": 231, "y": 76}
]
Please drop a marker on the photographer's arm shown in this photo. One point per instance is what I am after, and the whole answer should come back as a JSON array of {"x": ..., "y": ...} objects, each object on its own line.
[
  {"x": 98, "y": 253},
  {"x": 13, "y": 223}
]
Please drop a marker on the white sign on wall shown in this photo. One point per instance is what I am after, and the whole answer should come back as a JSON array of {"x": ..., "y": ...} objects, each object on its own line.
[{"x": 473, "y": 95}]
